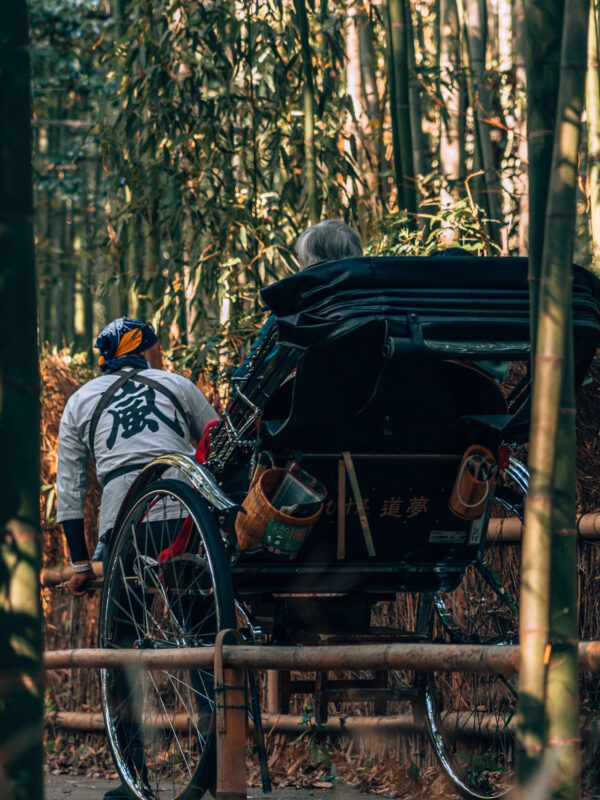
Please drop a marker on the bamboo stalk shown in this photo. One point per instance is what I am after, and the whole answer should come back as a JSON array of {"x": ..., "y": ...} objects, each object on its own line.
[
  {"x": 450, "y": 91},
  {"x": 485, "y": 725},
  {"x": 521, "y": 115},
  {"x": 153, "y": 254},
  {"x": 510, "y": 529},
  {"x": 471, "y": 658},
  {"x": 400, "y": 105},
  {"x": 362, "y": 89},
  {"x": 123, "y": 268},
  {"x": 501, "y": 659},
  {"x": 373, "y": 110},
  {"x": 419, "y": 145},
  {"x": 473, "y": 22},
  {"x": 139, "y": 304},
  {"x": 358, "y": 124},
  {"x": 562, "y": 702},
  {"x": 69, "y": 274},
  {"x": 552, "y": 340},
  {"x": 273, "y": 723},
  {"x": 58, "y": 231},
  {"x": 543, "y": 23},
  {"x": 310, "y": 165},
  {"x": 592, "y": 104},
  {"x": 87, "y": 268},
  {"x": 21, "y": 691},
  {"x": 562, "y": 699},
  {"x": 543, "y": 27},
  {"x": 42, "y": 227},
  {"x": 397, "y": 149}
]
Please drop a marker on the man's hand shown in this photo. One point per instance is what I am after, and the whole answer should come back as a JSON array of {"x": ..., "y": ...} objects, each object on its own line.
[{"x": 79, "y": 582}]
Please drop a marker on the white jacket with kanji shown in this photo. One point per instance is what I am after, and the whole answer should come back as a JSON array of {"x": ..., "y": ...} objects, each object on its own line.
[{"x": 138, "y": 424}]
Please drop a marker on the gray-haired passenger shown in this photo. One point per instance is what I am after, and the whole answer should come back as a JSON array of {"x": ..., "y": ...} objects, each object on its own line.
[{"x": 329, "y": 240}]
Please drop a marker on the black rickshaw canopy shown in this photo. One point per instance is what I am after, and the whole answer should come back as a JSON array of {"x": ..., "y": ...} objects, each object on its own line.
[
  {"x": 475, "y": 307},
  {"x": 377, "y": 344}
]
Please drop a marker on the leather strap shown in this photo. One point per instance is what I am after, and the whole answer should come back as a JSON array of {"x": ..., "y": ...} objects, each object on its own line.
[{"x": 116, "y": 473}]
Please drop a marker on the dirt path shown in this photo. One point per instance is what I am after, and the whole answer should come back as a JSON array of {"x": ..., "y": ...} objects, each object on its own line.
[{"x": 70, "y": 787}]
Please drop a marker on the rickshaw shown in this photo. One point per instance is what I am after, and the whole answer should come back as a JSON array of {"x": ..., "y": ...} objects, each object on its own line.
[{"x": 377, "y": 379}]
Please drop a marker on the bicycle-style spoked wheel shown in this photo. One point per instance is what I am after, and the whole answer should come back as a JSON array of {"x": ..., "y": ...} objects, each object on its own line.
[
  {"x": 471, "y": 716},
  {"x": 167, "y": 585}
]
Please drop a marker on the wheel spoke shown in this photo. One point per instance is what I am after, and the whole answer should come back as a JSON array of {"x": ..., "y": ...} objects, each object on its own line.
[
  {"x": 172, "y": 727},
  {"x": 161, "y": 728},
  {"x": 471, "y": 715}
]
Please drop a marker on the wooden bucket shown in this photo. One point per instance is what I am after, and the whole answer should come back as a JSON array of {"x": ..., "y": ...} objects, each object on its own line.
[
  {"x": 264, "y": 526},
  {"x": 469, "y": 494}
]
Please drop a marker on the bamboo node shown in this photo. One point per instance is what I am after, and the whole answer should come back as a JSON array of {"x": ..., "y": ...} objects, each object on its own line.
[
  {"x": 572, "y": 740},
  {"x": 548, "y": 359}
]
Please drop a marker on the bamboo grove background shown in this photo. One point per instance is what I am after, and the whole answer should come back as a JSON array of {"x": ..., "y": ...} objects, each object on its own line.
[{"x": 180, "y": 148}]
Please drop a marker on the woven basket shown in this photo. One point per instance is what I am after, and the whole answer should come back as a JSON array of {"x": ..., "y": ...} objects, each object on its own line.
[
  {"x": 264, "y": 526},
  {"x": 469, "y": 495}
]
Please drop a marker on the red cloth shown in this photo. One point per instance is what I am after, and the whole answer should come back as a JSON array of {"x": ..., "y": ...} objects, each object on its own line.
[
  {"x": 203, "y": 449},
  {"x": 183, "y": 537},
  {"x": 180, "y": 543}
]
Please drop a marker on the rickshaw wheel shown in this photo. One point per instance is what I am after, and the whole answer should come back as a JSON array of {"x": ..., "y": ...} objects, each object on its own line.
[
  {"x": 161, "y": 722},
  {"x": 471, "y": 716}
]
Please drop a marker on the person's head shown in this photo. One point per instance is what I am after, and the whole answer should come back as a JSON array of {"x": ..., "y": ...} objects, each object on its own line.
[
  {"x": 329, "y": 240},
  {"x": 451, "y": 251},
  {"x": 125, "y": 336}
]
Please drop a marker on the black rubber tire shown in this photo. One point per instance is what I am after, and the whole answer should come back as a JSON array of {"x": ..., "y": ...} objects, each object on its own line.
[
  {"x": 480, "y": 611},
  {"x": 470, "y": 718},
  {"x": 180, "y": 603}
]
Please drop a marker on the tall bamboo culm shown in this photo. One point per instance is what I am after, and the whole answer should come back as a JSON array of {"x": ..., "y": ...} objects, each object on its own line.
[
  {"x": 552, "y": 469},
  {"x": 400, "y": 104},
  {"x": 543, "y": 26},
  {"x": 562, "y": 699},
  {"x": 20, "y": 613},
  {"x": 475, "y": 32},
  {"x": 418, "y": 139},
  {"x": 451, "y": 88},
  {"x": 308, "y": 103},
  {"x": 562, "y": 692},
  {"x": 520, "y": 71},
  {"x": 592, "y": 107},
  {"x": 543, "y": 23}
]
